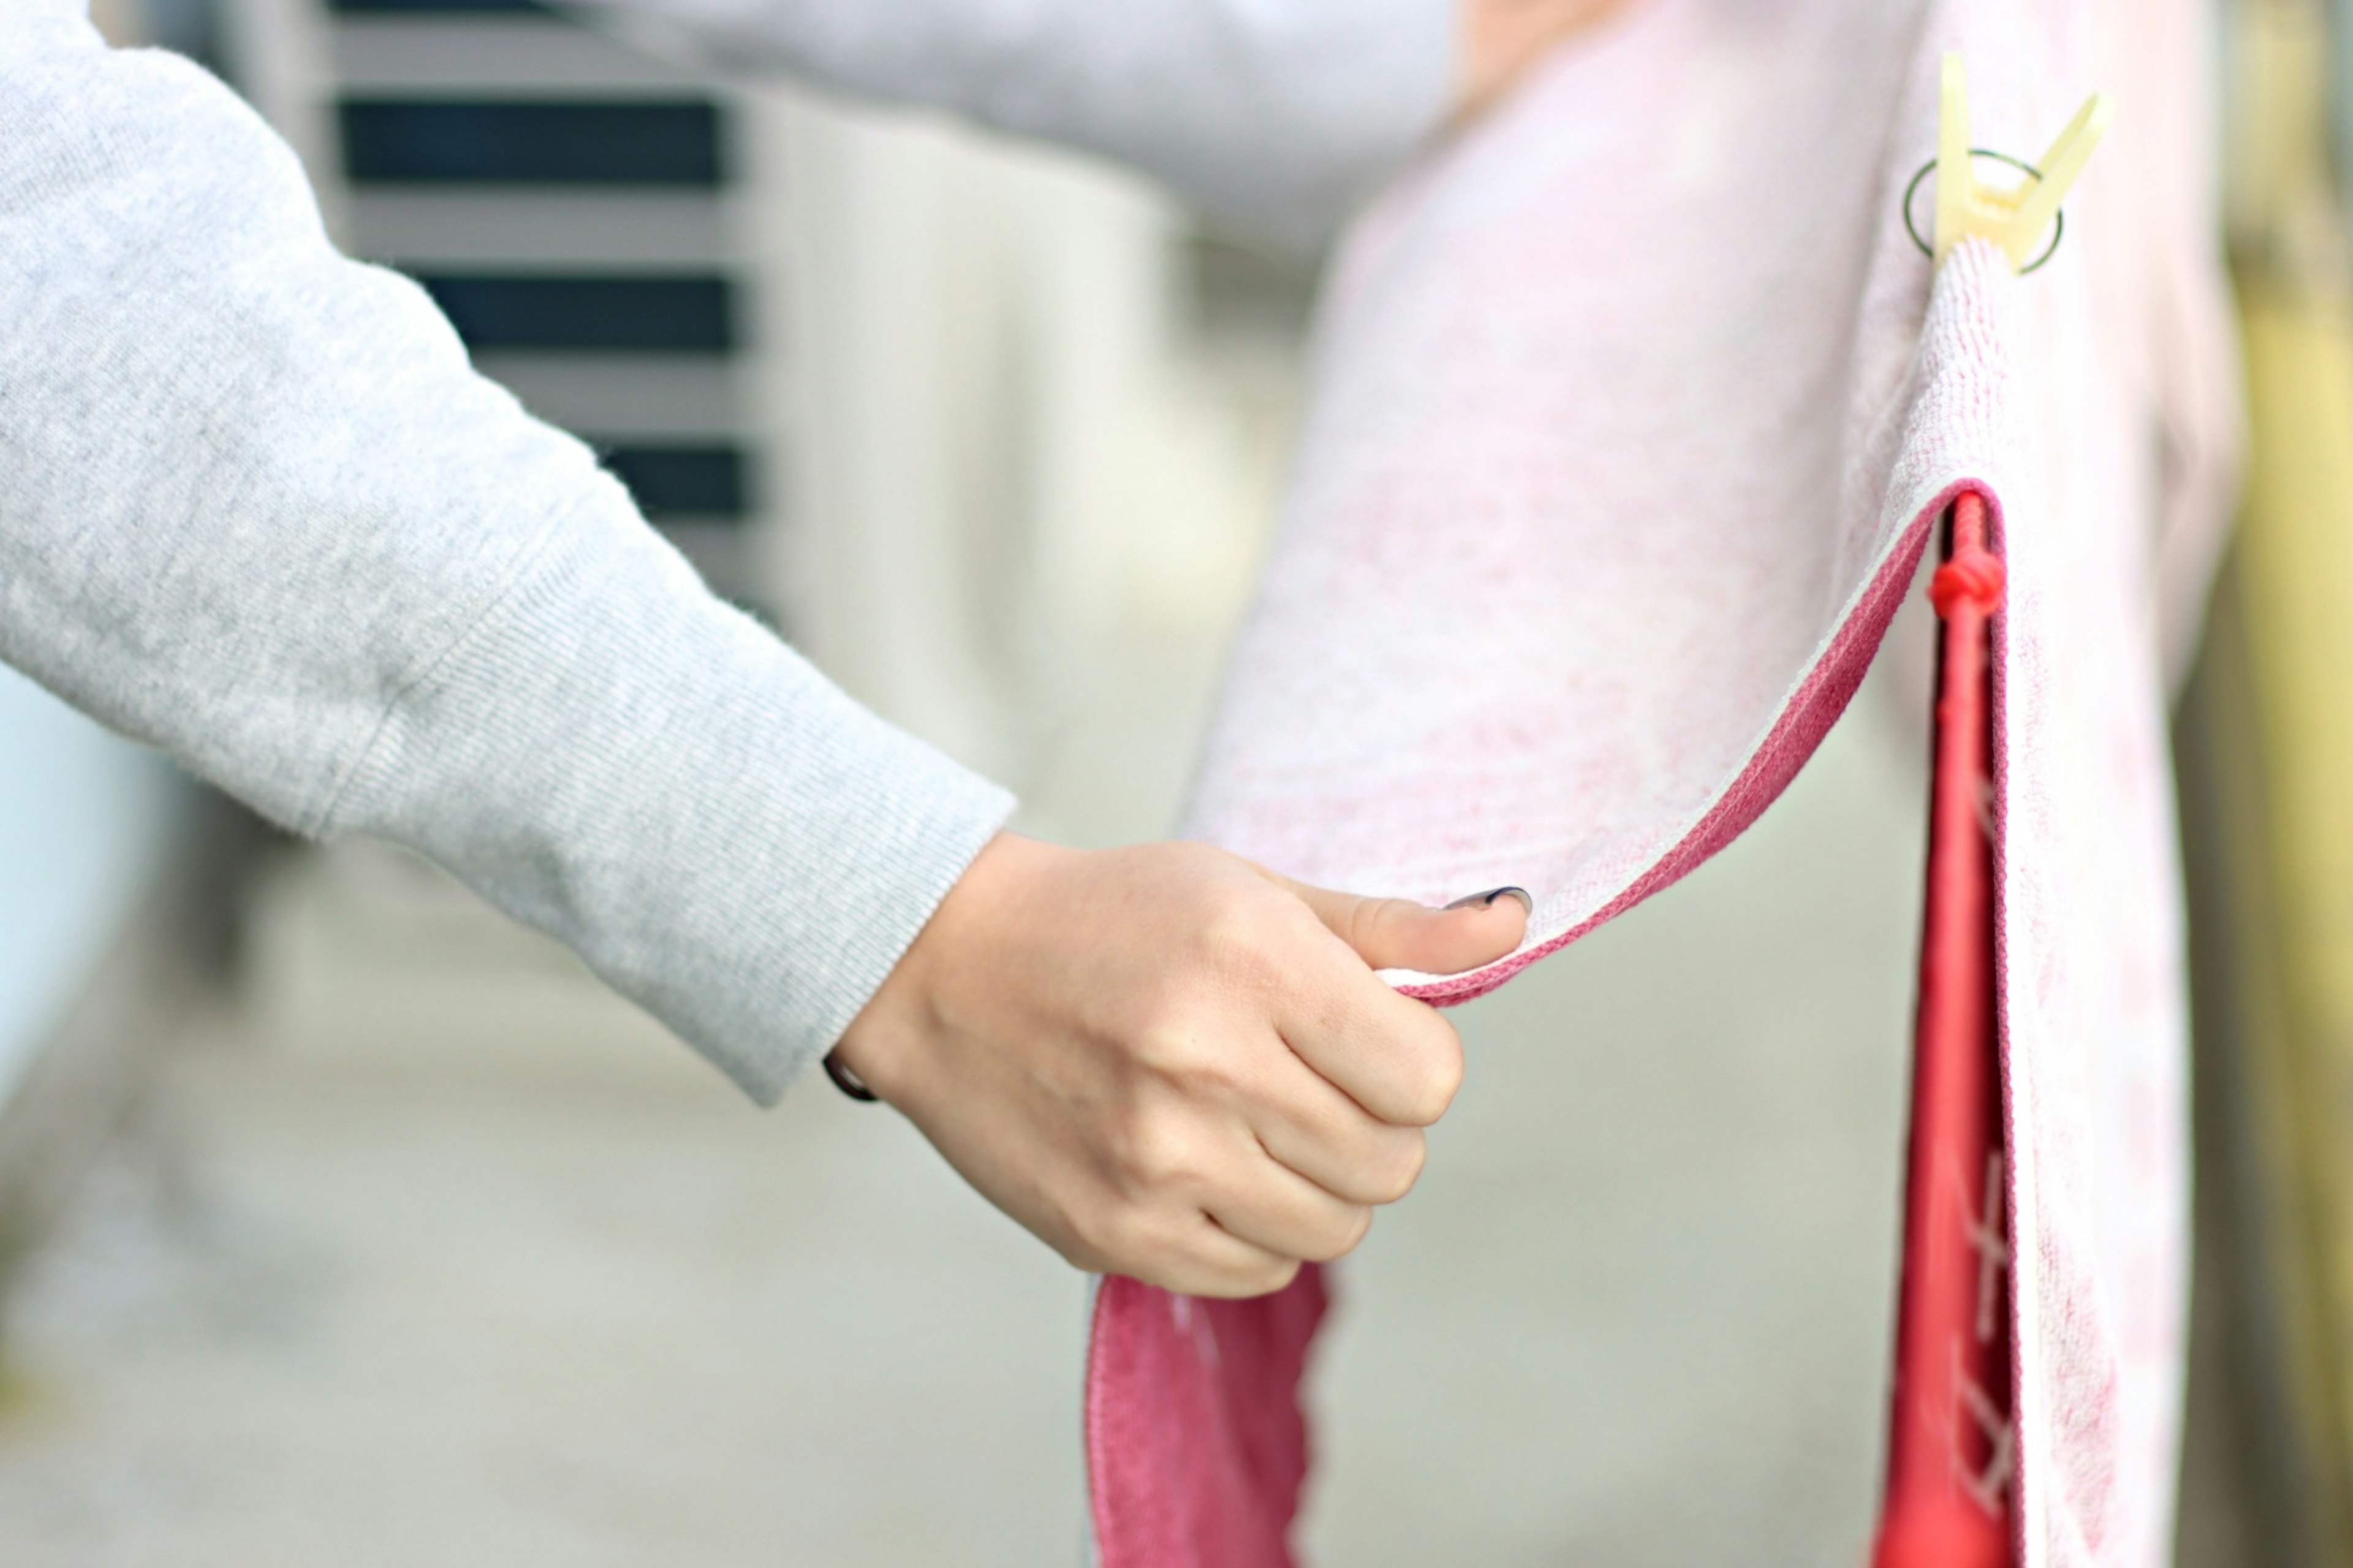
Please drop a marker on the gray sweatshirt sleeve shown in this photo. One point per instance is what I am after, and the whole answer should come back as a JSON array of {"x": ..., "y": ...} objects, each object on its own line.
[
  {"x": 1278, "y": 115},
  {"x": 256, "y": 509}
]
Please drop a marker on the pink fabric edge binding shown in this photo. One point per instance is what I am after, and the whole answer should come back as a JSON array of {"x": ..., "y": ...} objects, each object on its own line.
[
  {"x": 2021, "y": 1287},
  {"x": 1091, "y": 1423},
  {"x": 1821, "y": 698}
]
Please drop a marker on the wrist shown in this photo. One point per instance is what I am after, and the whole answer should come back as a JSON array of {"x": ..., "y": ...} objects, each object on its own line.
[{"x": 877, "y": 1051}]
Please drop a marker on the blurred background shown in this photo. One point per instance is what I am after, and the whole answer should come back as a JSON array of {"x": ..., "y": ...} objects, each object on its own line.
[{"x": 343, "y": 1221}]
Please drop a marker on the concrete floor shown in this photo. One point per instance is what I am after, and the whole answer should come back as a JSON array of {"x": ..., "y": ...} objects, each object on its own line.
[
  {"x": 340, "y": 1306},
  {"x": 431, "y": 1252}
]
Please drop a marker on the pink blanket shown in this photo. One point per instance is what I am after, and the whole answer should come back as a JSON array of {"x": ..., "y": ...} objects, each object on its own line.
[{"x": 1634, "y": 410}]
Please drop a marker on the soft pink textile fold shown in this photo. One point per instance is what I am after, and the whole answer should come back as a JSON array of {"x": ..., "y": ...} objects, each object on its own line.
[
  {"x": 1633, "y": 411},
  {"x": 1193, "y": 1426}
]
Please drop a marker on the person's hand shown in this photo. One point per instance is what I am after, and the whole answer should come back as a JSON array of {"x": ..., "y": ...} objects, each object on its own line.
[
  {"x": 1502, "y": 38},
  {"x": 1168, "y": 1063}
]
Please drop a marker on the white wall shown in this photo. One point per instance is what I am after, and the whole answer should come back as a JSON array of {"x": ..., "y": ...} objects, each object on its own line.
[
  {"x": 999, "y": 448},
  {"x": 1015, "y": 453}
]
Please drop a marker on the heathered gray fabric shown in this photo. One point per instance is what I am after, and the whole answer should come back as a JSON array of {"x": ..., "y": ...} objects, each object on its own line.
[
  {"x": 1277, "y": 115},
  {"x": 257, "y": 509}
]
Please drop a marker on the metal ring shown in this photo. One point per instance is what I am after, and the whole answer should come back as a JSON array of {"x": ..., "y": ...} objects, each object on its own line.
[
  {"x": 848, "y": 1083},
  {"x": 2058, "y": 221}
]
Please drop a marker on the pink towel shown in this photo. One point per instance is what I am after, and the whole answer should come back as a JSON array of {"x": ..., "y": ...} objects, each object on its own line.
[{"x": 1634, "y": 410}]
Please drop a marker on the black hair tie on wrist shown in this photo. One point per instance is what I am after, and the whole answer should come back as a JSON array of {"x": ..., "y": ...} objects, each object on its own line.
[{"x": 848, "y": 1083}]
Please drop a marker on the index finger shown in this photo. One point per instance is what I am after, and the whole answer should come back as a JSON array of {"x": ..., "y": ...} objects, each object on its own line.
[{"x": 1391, "y": 1053}]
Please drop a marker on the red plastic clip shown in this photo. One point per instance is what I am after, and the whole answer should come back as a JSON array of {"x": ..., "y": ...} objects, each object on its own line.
[{"x": 1951, "y": 1454}]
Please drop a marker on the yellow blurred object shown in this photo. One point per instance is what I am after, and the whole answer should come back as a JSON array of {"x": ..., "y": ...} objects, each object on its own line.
[
  {"x": 2016, "y": 217},
  {"x": 2274, "y": 684},
  {"x": 2295, "y": 556},
  {"x": 2267, "y": 759}
]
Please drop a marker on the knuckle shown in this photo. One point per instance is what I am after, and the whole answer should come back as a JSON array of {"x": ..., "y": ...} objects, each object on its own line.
[
  {"x": 1400, "y": 1170},
  {"x": 1195, "y": 1056},
  {"x": 1347, "y": 1233},
  {"x": 1168, "y": 1041},
  {"x": 1237, "y": 937},
  {"x": 1436, "y": 1079},
  {"x": 1275, "y": 1275},
  {"x": 1372, "y": 925},
  {"x": 1156, "y": 1153},
  {"x": 1243, "y": 1280}
]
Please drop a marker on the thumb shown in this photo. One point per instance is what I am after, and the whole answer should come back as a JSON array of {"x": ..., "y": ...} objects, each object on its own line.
[{"x": 1397, "y": 933}]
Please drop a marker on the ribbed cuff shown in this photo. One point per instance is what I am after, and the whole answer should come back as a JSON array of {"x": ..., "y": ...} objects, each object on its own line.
[{"x": 616, "y": 757}]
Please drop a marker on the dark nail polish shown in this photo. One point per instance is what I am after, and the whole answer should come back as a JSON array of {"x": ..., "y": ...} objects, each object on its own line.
[{"x": 1487, "y": 900}]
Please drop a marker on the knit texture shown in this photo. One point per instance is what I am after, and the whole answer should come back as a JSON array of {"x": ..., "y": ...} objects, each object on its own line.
[{"x": 257, "y": 509}]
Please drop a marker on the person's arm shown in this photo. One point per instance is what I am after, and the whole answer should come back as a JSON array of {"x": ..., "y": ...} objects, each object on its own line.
[
  {"x": 257, "y": 509},
  {"x": 1277, "y": 115}
]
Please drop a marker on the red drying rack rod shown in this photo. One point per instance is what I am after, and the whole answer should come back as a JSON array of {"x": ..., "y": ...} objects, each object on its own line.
[{"x": 1950, "y": 1458}]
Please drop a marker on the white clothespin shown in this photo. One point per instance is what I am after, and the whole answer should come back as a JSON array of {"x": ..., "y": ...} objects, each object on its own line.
[{"x": 2015, "y": 218}]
